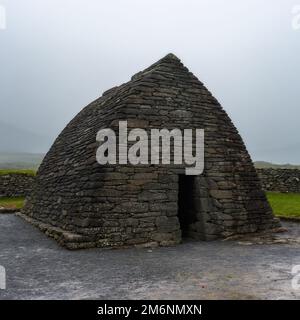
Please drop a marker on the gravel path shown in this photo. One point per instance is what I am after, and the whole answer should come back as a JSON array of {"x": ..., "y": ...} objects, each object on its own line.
[{"x": 37, "y": 268}]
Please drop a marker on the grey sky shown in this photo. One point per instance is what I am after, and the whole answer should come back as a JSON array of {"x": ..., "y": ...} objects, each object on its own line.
[{"x": 56, "y": 56}]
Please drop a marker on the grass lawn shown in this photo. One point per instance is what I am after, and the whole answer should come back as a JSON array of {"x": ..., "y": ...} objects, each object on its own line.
[
  {"x": 285, "y": 204},
  {"x": 12, "y": 202},
  {"x": 30, "y": 172}
]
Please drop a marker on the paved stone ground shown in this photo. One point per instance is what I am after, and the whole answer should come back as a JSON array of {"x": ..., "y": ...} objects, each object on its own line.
[{"x": 37, "y": 268}]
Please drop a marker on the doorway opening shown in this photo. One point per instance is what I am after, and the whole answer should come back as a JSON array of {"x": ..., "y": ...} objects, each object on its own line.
[{"x": 187, "y": 211}]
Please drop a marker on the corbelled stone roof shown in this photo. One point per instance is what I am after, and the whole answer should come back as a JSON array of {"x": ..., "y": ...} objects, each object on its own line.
[{"x": 83, "y": 204}]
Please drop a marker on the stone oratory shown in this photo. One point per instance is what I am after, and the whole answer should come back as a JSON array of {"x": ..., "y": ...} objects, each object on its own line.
[{"x": 83, "y": 204}]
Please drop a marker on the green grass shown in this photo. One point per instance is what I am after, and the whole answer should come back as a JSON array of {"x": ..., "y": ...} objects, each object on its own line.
[
  {"x": 12, "y": 202},
  {"x": 285, "y": 204},
  {"x": 30, "y": 172}
]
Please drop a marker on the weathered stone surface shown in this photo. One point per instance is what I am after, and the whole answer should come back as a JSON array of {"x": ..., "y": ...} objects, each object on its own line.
[
  {"x": 83, "y": 204},
  {"x": 15, "y": 184},
  {"x": 280, "y": 180},
  {"x": 221, "y": 194}
]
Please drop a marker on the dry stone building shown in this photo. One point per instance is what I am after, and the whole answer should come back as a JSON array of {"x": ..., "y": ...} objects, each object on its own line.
[{"x": 83, "y": 204}]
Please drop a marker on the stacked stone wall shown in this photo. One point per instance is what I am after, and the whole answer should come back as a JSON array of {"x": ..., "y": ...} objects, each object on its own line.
[
  {"x": 15, "y": 185},
  {"x": 84, "y": 204},
  {"x": 280, "y": 180}
]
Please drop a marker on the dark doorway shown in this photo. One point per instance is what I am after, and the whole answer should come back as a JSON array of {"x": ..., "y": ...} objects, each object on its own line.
[{"x": 187, "y": 205}]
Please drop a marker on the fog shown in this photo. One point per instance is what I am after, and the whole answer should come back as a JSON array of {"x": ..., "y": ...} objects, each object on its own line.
[{"x": 56, "y": 56}]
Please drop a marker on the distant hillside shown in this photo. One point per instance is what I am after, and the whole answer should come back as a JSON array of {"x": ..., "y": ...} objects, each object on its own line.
[
  {"x": 264, "y": 164},
  {"x": 22, "y": 160},
  {"x": 16, "y": 140},
  {"x": 17, "y": 160}
]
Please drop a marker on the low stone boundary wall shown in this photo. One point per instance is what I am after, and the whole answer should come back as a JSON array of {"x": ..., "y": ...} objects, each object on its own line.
[
  {"x": 280, "y": 180},
  {"x": 15, "y": 184}
]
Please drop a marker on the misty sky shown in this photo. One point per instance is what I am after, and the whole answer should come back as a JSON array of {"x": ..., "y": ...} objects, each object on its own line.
[{"x": 56, "y": 56}]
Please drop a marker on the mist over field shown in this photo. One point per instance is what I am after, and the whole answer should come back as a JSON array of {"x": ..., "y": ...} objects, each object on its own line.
[{"x": 58, "y": 56}]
